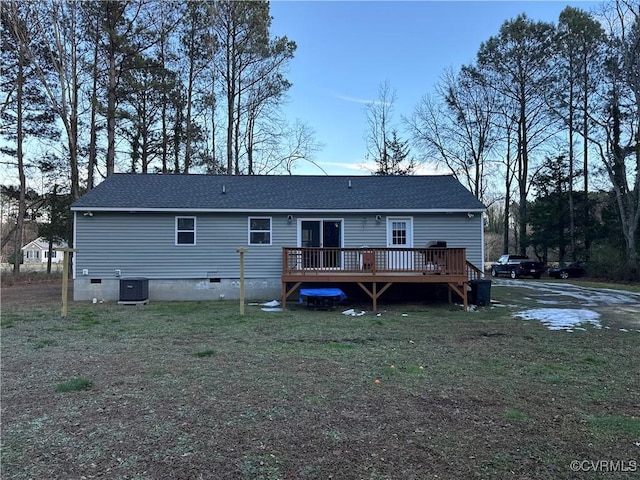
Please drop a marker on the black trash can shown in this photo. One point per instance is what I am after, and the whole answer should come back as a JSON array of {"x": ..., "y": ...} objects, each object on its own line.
[{"x": 480, "y": 292}]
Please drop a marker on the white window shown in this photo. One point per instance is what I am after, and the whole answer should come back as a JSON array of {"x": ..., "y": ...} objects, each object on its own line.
[
  {"x": 185, "y": 230},
  {"x": 259, "y": 230}
]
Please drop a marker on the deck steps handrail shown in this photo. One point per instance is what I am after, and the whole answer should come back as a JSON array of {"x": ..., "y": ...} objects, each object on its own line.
[{"x": 473, "y": 272}]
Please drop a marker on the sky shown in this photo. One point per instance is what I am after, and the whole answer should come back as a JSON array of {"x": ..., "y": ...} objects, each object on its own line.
[{"x": 347, "y": 49}]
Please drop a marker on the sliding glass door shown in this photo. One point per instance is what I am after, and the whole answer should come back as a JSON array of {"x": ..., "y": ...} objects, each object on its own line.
[{"x": 321, "y": 234}]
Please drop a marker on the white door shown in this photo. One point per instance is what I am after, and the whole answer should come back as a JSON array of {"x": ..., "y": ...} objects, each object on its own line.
[{"x": 400, "y": 235}]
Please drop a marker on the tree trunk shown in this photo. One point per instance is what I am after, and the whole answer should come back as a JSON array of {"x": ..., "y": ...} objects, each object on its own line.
[
  {"x": 250, "y": 131},
  {"x": 628, "y": 204},
  {"x": 572, "y": 221},
  {"x": 214, "y": 162},
  {"x": 49, "y": 252},
  {"x": 165, "y": 138},
  {"x": 507, "y": 188},
  {"x": 73, "y": 111},
  {"x": 189, "y": 130},
  {"x": 523, "y": 167},
  {"x": 231, "y": 83},
  {"x": 111, "y": 115},
  {"x": 17, "y": 244},
  {"x": 93, "y": 129},
  {"x": 144, "y": 157},
  {"x": 113, "y": 13},
  {"x": 585, "y": 153},
  {"x": 236, "y": 130}
]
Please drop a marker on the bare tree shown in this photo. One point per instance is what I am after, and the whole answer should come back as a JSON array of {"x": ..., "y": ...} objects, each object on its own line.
[
  {"x": 92, "y": 29},
  {"x": 617, "y": 137},
  {"x": 457, "y": 127},
  {"x": 196, "y": 43},
  {"x": 380, "y": 123},
  {"x": 56, "y": 22},
  {"x": 25, "y": 111},
  {"x": 283, "y": 146},
  {"x": 517, "y": 65},
  {"x": 13, "y": 19},
  {"x": 124, "y": 36},
  {"x": 165, "y": 55},
  {"x": 579, "y": 39},
  {"x": 247, "y": 59}
]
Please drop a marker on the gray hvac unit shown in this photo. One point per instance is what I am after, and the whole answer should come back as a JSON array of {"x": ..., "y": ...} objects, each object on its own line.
[{"x": 134, "y": 290}]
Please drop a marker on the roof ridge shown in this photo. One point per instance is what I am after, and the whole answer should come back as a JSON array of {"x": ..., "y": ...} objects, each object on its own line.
[
  {"x": 219, "y": 175},
  {"x": 183, "y": 191}
]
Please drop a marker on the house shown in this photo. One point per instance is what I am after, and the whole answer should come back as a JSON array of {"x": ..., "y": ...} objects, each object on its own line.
[
  {"x": 181, "y": 234},
  {"x": 37, "y": 251}
]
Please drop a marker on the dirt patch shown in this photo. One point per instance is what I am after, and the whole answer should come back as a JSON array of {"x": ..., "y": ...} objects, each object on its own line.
[{"x": 33, "y": 294}]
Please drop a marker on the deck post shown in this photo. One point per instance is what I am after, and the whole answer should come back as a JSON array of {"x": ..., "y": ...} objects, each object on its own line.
[
  {"x": 286, "y": 293},
  {"x": 375, "y": 298},
  {"x": 374, "y": 293},
  {"x": 65, "y": 278},
  {"x": 241, "y": 251}
]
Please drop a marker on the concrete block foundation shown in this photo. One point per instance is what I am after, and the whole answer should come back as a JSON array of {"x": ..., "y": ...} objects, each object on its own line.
[{"x": 181, "y": 289}]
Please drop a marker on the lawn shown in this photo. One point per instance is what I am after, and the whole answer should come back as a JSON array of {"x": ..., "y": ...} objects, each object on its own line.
[{"x": 197, "y": 391}]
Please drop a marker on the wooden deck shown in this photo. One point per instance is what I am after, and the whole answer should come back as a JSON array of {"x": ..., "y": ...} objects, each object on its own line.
[{"x": 376, "y": 269}]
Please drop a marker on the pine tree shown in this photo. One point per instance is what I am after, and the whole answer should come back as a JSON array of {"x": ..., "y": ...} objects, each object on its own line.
[{"x": 396, "y": 159}]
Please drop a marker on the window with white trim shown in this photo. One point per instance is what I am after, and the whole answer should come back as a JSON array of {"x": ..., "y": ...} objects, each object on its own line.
[
  {"x": 185, "y": 230},
  {"x": 259, "y": 230}
]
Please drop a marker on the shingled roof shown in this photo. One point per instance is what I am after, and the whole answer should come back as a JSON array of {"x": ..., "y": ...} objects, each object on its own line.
[{"x": 149, "y": 192}]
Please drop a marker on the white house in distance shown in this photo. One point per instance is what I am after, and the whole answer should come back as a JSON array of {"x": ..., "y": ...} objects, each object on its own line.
[{"x": 37, "y": 251}]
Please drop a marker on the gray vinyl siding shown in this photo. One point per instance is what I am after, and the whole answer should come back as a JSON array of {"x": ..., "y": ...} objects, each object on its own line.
[
  {"x": 457, "y": 230},
  {"x": 143, "y": 244},
  {"x": 364, "y": 230}
]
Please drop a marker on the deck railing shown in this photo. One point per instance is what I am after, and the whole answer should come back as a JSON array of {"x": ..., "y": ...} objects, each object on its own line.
[
  {"x": 473, "y": 272},
  {"x": 375, "y": 260}
]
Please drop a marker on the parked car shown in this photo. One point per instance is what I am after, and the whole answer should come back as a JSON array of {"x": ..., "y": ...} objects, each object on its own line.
[
  {"x": 516, "y": 266},
  {"x": 573, "y": 270}
]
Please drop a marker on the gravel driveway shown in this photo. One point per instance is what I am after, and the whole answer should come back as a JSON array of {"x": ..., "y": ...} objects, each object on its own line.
[{"x": 564, "y": 305}]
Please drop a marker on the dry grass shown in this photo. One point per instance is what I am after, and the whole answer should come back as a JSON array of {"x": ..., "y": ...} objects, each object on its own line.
[{"x": 194, "y": 390}]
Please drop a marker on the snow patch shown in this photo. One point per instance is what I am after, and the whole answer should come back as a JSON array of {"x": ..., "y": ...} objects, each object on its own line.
[
  {"x": 271, "y": 304},
  {"x": 561, "y": 318}
]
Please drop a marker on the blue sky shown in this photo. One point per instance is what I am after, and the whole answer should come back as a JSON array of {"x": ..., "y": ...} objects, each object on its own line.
[{"x": 347, "y": 49}]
